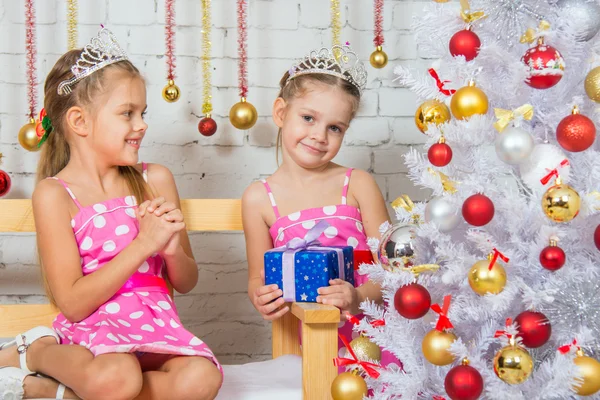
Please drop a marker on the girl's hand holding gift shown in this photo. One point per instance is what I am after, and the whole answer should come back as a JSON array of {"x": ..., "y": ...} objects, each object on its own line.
[
  {"x": 268, "y": 301},
  {"x": 342, "y": 295}
]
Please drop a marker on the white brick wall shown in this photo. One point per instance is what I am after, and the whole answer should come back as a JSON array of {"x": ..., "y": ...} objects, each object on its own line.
[{"x": 221, "y": 166}]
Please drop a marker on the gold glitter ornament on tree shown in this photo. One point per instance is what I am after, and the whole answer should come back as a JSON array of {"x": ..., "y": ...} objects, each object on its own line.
[
  {"x": 484, "y": 279},
  {"x": 28, "y": 138},
  {"x": 513, "y": 364},
  {"x": 171, "y": 92},
  {"x": 431, "y": 112},
  {"x": 365, "y": 350},
  {"x": 348, "y": 386},
  {"x": 561, "y": 203},
  {"x": 436, "y": 346},
  {"x": 468, "y": 101},
  {"x": 589, "y": 368},
  {"x": 592, "y": 84}
]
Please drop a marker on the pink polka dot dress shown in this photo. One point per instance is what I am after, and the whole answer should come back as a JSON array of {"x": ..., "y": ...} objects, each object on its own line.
[
  {"x": 141, "y": 317},
  {"x": 346, "y": 229}
]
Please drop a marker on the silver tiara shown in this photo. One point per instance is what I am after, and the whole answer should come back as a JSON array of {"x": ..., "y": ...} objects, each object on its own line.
[
  {"x": 339, "y": 61},
  {"x": 101, "y": 51}
]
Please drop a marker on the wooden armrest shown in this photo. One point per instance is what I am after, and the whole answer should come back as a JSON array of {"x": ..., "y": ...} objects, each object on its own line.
[
  {"x": 18, "y": 318},
  {"x": 314, "y": 313}
]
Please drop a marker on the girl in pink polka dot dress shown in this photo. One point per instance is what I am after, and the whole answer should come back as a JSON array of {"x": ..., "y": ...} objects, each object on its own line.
[
  {"x": 110, "y": 234},
  {"x": 317, "y": 101}
]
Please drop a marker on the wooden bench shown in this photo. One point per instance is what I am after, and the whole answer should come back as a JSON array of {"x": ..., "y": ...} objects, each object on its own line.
[{"x": 319, "y": 322}]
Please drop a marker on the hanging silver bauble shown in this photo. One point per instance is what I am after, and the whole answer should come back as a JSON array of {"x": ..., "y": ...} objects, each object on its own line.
[
  {"x": 582, "y": 15},
  {"x": 396, "y": 248},
  {"x": 514, "y": 145},
  {"x": 442, "y": 213}
]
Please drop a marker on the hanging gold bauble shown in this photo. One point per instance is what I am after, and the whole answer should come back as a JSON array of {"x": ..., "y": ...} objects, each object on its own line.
[
  {"x": 592, "y": 84},
  {"x": 561, "y": 203},
  {"x": 378, "y": 58},
  {"x": 171, "y": 92},
  {"x": 436, "y": 347},
  {"x": 589, "y": 368},
  {"x": 348, "y": 386},
  {"x": 468, "y": 101},
  {"x": 243, "y": 115},
  {"x": 365, "y": 350},
  {"x": 483, "y": 280},
  {"x": 28, "y": 137},
  {"x": 431, "y": 112},
  {"x": 513, "y": 364}
]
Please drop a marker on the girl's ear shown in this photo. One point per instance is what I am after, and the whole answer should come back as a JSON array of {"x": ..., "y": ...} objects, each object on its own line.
[
  {"x": 279, "y": 110},
  {"x": 77, "y": 121}
]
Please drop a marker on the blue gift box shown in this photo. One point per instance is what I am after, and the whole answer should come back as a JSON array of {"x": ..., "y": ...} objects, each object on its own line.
[{"x": 307, "y": 270}]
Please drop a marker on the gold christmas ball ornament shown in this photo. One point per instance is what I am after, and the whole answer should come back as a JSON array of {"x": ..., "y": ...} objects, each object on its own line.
[
  {"x": 468, "y": 101},
  {"x": 171, "y": 92},
  {"x": 589, "y": 368},
  {"x": 513, "y": 364},
  {"x": 484, "y": 280},
  {"x": 436, "y": 347},
  {"x": 378, "y": 58},
  {"x": 243, "y": 115},
  {"x": 431, "y": 112},
  {"x": 28, "y": 137},
  {"x": 561, "y": 203},
  {"x": 365, "y": 350},
  {"x": 592, "y": 84},
  {"x": 348, "y": 386}
]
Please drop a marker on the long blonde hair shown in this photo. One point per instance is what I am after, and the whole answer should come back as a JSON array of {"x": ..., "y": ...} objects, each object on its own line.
[
  {"x": 55, "y": 153},
  {"x": 298, "y": 86}
]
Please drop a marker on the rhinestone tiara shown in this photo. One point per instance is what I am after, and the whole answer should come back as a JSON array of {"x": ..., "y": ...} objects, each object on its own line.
[
  {"x": 101, "y": 51},
  {"x": 338, "y": 61}
]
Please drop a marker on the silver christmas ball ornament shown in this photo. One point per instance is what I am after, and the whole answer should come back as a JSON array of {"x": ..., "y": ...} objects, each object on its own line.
[
  {"x": 396, "y": 248},
  {"x": 442, "y": 213},
  {"x": 582, "y": 15},
  {"x": 514, "y": 145}
]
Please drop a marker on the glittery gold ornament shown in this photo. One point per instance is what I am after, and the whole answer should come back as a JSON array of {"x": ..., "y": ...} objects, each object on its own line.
[
  {"x": 348, "y": 386},
  {"x": 365, "y": 350},
  {"x": 513, "y": 364},
  {"x": 468, "y": 101},
  {"x": 71, "y": 24},
  {"x": 592, "y": 84},
  {"x": 561, "y": 203},
  {"x": 378, "y": 58},
  {"x": 243, "y": 115},
  {"x": 589, "y": 368},
  {"x": 436, "y": 345},
  {"x": 28, "y": 137},
  {"x": 171, "y": 92},
  {"x": 484, "y": 280},
  {"x": 431, "y": 111}
]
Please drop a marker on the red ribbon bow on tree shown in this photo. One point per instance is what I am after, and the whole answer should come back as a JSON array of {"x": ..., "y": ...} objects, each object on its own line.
[
  {"x": 438, "y": 398},
  {"x": 504, "y": 333},
  {"x": 496, "y": 254},
  {"x": 367, "y": 366},
  {"x": 355, "y": 321},
  {"x": 440, "y": 83},
  {"x": 443, "y": 322},
  {"x": 567, "y": 347},
  {"x": 554, "y": 172}
]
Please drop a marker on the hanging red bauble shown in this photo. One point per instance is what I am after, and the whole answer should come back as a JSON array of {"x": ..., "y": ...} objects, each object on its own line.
[
  {"x": 463, "y": 382},
  {"x": 4, "y": 183},
  {"x": 465, "y": 43},
  {"x": 546, "y": 66},
  {"x": 534, "y": 328},
  {"x": 478, "y": 210},
  {"x": 597, "y": 237},
  {"x": 207, "y": 126},
  {"x": 552, "y": 257},
  {"x": 576, "y": 132},
  {"x": 412, "y": 301},
  {"x": 440, "y": 154}
]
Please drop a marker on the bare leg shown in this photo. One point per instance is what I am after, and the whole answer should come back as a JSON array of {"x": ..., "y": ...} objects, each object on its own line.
[{"x": 40, "y": 387}]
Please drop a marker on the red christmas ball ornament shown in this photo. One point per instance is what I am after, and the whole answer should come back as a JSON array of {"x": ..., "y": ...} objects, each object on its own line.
[
  {"x": 534, "y": 328},
  {"x": 412, "y": 301},
  {"x": 576, "y": 132},
  {"x": 465, "y": 43},
  {"x": 207, "y": 126},
  {"x": 545, "y": 66},
  {"x": 463, "y": 382},
  {"x": 553, "y": 257},
  {"x": 440, "y": 154},
  {"x": 597, "y": 237},
  {"x": 4, "y": 183},
  {"x": 478, "y": 210}
]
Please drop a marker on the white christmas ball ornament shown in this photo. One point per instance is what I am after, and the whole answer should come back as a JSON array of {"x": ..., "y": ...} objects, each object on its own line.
[
  {"x": 514, "y": 145},
  {"x": 544, "y": 158},
  {"x": 442, "y": 213}
]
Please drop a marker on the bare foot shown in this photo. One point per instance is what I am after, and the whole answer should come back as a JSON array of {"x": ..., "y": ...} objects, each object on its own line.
[{"x": 41, "y": 387}]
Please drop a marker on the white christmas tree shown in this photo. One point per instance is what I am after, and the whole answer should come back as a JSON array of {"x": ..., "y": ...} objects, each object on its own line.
[{"x": 507, "y": 151}]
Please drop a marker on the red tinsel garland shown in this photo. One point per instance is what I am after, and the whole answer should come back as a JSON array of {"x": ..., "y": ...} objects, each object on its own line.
[
  {"x": 170, "y": 38},
  {"x": 242, "y": 56},
  {"x": 31, "y": 53},
  {"x": 378, "y": 13}
]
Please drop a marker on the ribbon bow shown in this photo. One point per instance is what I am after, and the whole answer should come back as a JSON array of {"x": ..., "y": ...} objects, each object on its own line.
[
  {"x": 448, "y": 185},
  {"x": 567, "y": 347},
  {"x": 500, "y": 333},
  {"x": 438, "y": 398},
  {"x": 310, "y": 239},
  {"x": 43, "y": 127},
  {"x": 531, "y": 34},
  {"x": 355, "y": 321},
  {"x": 466, "y": 14},
  {"x": 404, "y": 202},
  {"x": 495, "y": 254},
  {"x": 443, "y": 322},
  {"x": 342, "y": 362},
  {"x": 440, "y": 83},
  {"x": 505, "y": 116},
  {"x": 554, "y": 172}
]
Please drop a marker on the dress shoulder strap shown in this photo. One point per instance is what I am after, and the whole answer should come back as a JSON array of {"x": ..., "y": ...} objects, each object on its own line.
[
  {"x": 346, "y": 183},
  {"x": 271, "y": 198},
  {"x": 145, "y": 172},
  {"x": 68, "y": 190}
]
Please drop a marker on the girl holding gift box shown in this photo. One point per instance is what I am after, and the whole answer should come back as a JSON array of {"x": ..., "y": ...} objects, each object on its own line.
[{"x": 318, "y": 99}]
